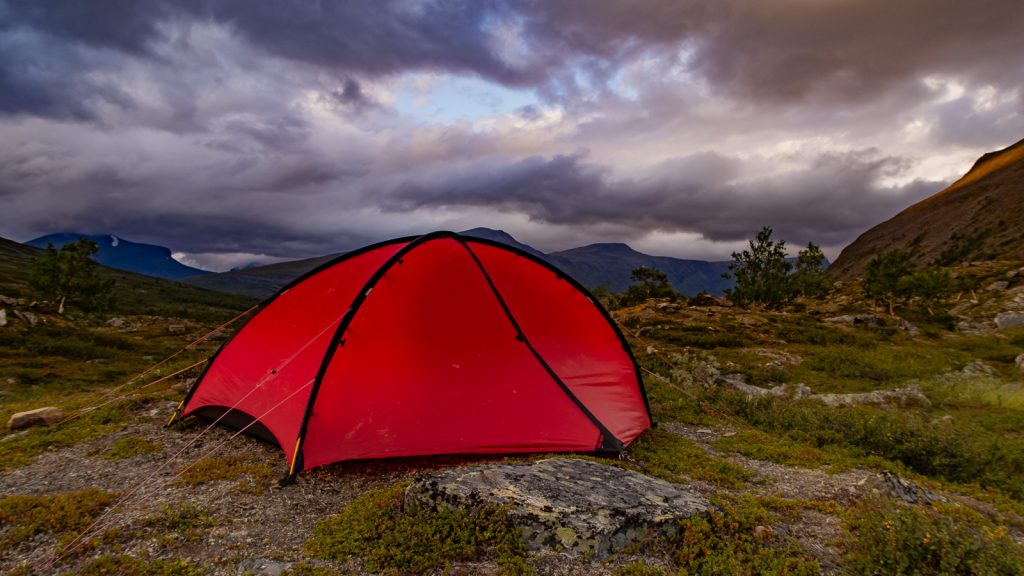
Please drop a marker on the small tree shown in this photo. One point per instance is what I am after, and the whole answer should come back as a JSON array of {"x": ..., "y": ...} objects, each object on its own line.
[
  {"x": 69, "y": 275},
  {"x": 761, "y": 273},
  {"x": 647, "y": 283},
  {"x": 931, "y": 286},
  {"x": 810, "y": 279},
  {"x": 888, "y": 278}
]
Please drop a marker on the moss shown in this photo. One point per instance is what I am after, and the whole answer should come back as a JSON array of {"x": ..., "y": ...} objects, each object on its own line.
[
  {"x": 670, "y": 456},
  {"x": 388, "y": 538},
  {"x": 232, "y": 467},
  {"x": 130, "y": 446},
  {"x": 729, "y": 541},
  {"x": 117, "y": 565},
  {"x": 184, "y": 522},
  {"x": 307, "y": 569},
  {"x": 62, "y": 515},
  {"x": 637, "y": 568},
  {"x": 889, "y": 538},
  {"x": 776, "y": 448}
]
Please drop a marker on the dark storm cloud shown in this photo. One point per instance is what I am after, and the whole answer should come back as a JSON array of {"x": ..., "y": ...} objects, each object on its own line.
[
  {"x": 783, "y": 50},
  {"x": 248, "y": 126},
  {"x": 834, "y": 198}
]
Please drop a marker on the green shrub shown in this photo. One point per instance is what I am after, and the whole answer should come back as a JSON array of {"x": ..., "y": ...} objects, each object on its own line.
[
  {"x": 130, "y": 446},
  {"x": 670, "y": 456},
  {"x": 637, "y": 568},
  {"x": 64, "y": 515},
  {"x": 232, "y": 467},
  {"x": 728, "y": 541},
  {"x": 118, "y": 565},
  {"x": 888, "y": 538},
  {"x": 389, "y": 539}
]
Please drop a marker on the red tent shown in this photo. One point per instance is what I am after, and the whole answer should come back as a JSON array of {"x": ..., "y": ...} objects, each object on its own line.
[{"x": 429, "y": 345}]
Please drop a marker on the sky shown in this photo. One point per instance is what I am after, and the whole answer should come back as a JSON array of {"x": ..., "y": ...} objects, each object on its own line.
[{"x": 236, "y": 132}]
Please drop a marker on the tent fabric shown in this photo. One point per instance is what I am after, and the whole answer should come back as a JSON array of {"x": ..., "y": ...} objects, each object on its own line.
[{"x": 439, "y": 344}]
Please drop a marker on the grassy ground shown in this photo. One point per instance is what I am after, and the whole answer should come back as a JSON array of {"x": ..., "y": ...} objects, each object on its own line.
[{"x": 777, "y": 468}]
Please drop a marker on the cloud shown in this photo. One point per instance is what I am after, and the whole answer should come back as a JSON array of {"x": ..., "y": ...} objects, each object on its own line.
[
  {"x": 287, "y": 130},
  {"x": 828, "y": 200}
]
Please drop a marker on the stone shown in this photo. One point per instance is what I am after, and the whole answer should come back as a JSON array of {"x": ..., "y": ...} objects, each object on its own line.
[
  {"x": 1019, "y": 361},
  {"x": 707, "y": 300},
  {"x": 858, "y": 320},
  {"x": 116, "y": 322},
  {"x": 909, "y": 328},
  {"x": 997, "y": 286},
  {"x": 47, "y": 416},
  {"x": 573, "y": 505},
  {"x": 978, "y": 368},
  {"x": 263, "y": 567},
  {"x": 1009, "y": 320},
  {"x": 906, "y": 490},
  {"x": 27, "y": 317},
  {"x": 3, "y": 317},
  {"x": 900, "y": 396},
  {"x": 799, "y": 390},
  {"x": 175, "y": 328}
]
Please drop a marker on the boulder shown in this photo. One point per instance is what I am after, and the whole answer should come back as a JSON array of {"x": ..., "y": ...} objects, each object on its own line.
[
  {"x": 707, "y": 300},
  {"x": 574, "y": 505},
  {"x": 1009, "y": 319},
  {"x": 900, "y": 396},
  {"x": 858, "y": 320},
  {"x": 3, "y": 317},
  {"x": 176, "y": 328},
  {"x": 997, "y": 286},
  {"x": 116, "y": 322},
  {"x": 1019, "y": 361},
  {"x": 47, "y": 416}
]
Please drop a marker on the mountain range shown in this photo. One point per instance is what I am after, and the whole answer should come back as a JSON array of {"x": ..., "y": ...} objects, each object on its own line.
[
  {"x": 595, "y": 265},
  {"x": 122, "y": 254},
  {"x": 979, "y": 217}
]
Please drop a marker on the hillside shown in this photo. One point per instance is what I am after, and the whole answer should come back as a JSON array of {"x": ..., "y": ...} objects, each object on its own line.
[
  {"x": 595, "y": 265},
  {"x": 258, "y": 281},
  {"x": 979, "y": 217},
  {"x": 132, "y": 294},
  {"x": 122, "y": 254},
  {"x": 611, "y": 264}
]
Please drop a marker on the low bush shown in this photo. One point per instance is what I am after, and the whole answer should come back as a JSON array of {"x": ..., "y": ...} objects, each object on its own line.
[
  {"x": 737, "y": 539},
  {"x": 889, "y": 538},
  {"x": 388, "y": 538},
  {"x": 63, "y": 515}
]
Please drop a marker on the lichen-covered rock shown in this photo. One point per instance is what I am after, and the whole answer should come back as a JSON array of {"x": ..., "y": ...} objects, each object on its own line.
[
  {"x": 569, "y": 504},
  {"x": 39, "y": 417},
  {"x": 1006, "y": 320},
  {"x": 910, "y": 395},
  {"x": 1019, "y": 361}
]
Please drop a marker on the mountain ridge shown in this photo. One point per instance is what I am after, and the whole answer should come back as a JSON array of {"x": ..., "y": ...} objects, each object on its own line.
[
  {"x": 116, "y": 252},
  {"x": 601, "y": 264},
  {"x": 978, "y": 217}
]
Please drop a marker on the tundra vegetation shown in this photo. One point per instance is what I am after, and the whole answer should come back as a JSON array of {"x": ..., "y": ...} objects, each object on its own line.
[{"x": 799, "y": 484}]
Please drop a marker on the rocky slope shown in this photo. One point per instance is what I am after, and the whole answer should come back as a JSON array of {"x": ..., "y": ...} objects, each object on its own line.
[{"x": 979, "y": 217}]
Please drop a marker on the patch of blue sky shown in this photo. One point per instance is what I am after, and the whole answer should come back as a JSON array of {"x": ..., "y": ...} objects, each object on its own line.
[{"x": 450, "y": 98}]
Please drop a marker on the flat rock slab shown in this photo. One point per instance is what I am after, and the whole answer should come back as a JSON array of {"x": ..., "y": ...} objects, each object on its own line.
[{"x": 569, "y": 504}]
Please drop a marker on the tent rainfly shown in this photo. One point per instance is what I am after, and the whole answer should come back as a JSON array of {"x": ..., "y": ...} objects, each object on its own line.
[{"x": 438, "y": 344}]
